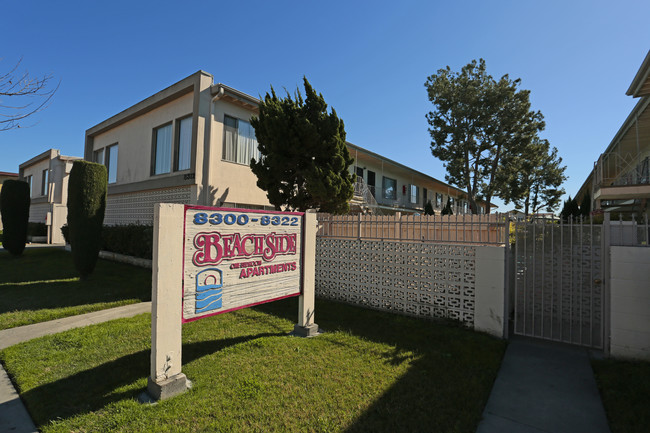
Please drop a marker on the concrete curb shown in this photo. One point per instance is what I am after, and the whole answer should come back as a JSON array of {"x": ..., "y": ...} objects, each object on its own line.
[
  {"x": 121, "y": 258},
  {"x": 13, "y": 415}
]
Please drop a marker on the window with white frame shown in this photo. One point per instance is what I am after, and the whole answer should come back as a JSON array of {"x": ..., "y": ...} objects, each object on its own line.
[
  {"x": 389, "y": 188},
  {"x": 162, "y": 150},
  {"x": 111, "y": 163},
  {"x": 108, "y": 156},
  {"x": 44, "y": 182},
  {"x": 240, "y": 143},
  {"x": 414, "y": 194},
  {"x": 99, "y": 156},
  {"x": 183, "y": 145}
]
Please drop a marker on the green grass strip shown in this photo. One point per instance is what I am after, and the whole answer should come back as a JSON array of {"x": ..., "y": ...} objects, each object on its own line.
[
  {"x": 370, "y": 372},
  {"x": 43, "y": 285},
  {"x": 625, "y": 390}
]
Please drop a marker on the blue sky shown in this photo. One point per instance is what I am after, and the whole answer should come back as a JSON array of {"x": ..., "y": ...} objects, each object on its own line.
[{"x": 369, "y": 60}]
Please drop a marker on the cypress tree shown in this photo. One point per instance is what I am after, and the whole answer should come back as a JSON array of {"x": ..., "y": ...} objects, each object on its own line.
[
  {"x": 86, "y": 205},
  {"x": 14, "y": 206},
  {"x": 447, "y": 210},
  {"x": 428, "y": 208}
]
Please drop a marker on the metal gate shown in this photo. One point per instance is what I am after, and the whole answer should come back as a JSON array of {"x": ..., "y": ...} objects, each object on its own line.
[{"x": 559, "y": 282}]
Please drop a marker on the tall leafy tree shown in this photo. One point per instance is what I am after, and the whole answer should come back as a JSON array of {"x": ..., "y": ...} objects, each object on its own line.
[
  {"x": 534, "y": 177},
  {"x": 304, "y": 160},
  {"x": 477, "y": 120}
]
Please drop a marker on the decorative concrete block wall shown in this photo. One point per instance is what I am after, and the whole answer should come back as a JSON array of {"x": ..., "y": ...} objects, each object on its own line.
[
  {"x": 137, "y": 207},
  {"x": 630, "y": 302},
  {"x": 415, "y": 278}
]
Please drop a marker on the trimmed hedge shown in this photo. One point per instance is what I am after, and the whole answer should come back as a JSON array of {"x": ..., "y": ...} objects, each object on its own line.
[
  {"x": 36, "y": 229},
  {"x": 14, "y": 206},
  {"x": 87, "y": 189},
  {"x": 132, "y": 239}
]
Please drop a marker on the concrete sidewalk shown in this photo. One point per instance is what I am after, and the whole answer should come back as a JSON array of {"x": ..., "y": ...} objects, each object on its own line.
[
  {"x": 13, "y": 415},
  {"x": 544, "y": 387}
]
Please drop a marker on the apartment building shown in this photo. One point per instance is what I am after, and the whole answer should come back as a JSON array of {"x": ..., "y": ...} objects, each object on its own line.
[
  {"x": 620, "y": 179},
  {"x": 192, "y": 143},
  {"x": 47, "y": 175}
]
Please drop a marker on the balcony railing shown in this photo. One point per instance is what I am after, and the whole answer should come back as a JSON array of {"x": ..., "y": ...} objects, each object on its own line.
[{"x": 615, "y": 170}]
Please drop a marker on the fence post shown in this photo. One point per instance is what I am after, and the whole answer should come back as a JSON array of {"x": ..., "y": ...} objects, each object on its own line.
[
  {"x": 359, "y": 226},
  {"x": 607, "y": 242}
]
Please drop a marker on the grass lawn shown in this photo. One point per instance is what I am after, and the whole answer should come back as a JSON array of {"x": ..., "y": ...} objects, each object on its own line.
[
  {"x": 625, "y": 389},
  {"x": 42, "y": 285},
  {"x": 370, "y": 372}
]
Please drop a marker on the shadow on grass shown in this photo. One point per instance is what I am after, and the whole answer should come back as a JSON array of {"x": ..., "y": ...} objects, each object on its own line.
[
  {"x": 448, "y": 382},
  {"x": 93, "y": 389},
  {"x": 45, "y": 278}
]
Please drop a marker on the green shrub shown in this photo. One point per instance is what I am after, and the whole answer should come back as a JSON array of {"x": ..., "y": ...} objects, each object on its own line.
[
  {"x": 132, "y": 239},
  {"x": 14, "y": 206},
  {"x": 36, "y": 229},
  {"x": 65, "y": 231},
  {"x": 86, "y": 205}
]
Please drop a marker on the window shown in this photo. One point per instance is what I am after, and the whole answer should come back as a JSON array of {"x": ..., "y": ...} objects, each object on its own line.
[
  {"x": 28, "y": 179},
  {"x": 240, "y": 143},
  {"x": 465, "y": 207},
  {"x": 111, "y": 163},
  {"x": 44, "y": 182},
  {"x": 99, "y": 156},
  {"x": 108, "y": 157},
  {"x": 414, "y": 194},
  {"x": 438, "y": 200},
  {"x": 183, "y": 146},
  {"x": 389, "y": 187},
  {"x": 162, "y": 149}
]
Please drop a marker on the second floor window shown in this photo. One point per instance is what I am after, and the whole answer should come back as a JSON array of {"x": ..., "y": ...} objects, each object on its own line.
[
  {"x": 240, "y": 143},
  {"x": 389, "y": 188},
  {"x": 111, "y": 163},
  {"x": 438, "y": 200},
  {"x": 414, "y": 194},
  {"x": 162, "y": 150},
  {"x": 108, "y": 157},
  {"x": 44, "y": 182},
  {"x": 28, "y": 179}
]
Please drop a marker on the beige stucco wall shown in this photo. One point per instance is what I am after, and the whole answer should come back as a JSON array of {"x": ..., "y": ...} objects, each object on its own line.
[
  {"x": 630, "y": 302},
  {"x": 237, "y": 181},
  {"x": 489, "y": 309},
  {"x": 36, "y": 171},
  {"x": 134, "y": 139}
]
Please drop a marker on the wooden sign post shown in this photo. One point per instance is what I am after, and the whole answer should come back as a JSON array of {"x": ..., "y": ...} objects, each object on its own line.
[{"x": 209, "y": 261}]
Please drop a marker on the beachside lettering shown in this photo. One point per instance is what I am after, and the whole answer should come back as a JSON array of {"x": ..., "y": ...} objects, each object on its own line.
[{"x": 212, "y": 247}]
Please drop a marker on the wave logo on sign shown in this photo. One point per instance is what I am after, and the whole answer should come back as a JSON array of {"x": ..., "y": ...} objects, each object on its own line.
[{"x": 208, "y": 290}]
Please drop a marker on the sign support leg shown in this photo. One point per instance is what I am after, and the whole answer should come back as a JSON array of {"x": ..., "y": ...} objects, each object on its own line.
[
  {"x": 306, "y": 301},
  {"x": 166, "y": 379}
]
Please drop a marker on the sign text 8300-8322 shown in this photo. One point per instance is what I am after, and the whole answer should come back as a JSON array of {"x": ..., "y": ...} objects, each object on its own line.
[{"x": 243, "y": 219}]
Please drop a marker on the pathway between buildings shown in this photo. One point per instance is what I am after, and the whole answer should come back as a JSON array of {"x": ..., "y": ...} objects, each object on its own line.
[{"x": 544, "y": 387}]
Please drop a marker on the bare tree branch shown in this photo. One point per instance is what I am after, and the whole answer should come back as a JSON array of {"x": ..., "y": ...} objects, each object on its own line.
[{"x": 22, "y": 95}]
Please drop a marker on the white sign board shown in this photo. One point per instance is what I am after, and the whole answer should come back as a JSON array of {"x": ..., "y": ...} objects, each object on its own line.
[
  {"x": 217, "y": 260},
  {"x": 234, "y": 258}
]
